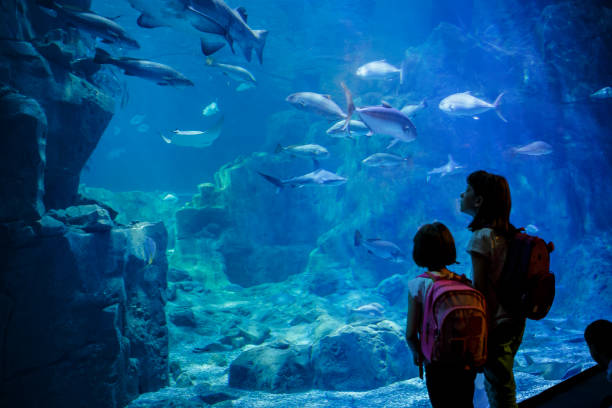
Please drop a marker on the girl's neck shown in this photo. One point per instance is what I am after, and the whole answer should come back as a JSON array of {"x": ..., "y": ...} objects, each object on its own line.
[{"x": 439, "y": 270}]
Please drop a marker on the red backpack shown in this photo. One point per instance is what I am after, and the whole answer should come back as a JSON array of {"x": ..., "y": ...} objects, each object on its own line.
[
  {"x": 454, "y": 326},
  {"x": 527, "y": 287}
]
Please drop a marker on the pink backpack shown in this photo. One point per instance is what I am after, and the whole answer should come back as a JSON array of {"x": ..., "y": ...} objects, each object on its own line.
[{"x": 454, "y": 326}]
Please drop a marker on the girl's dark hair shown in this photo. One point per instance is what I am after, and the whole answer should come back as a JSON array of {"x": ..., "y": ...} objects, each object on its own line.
[
  {"x": 434, "y": 246},
  {"x": 496, "y": 202}
]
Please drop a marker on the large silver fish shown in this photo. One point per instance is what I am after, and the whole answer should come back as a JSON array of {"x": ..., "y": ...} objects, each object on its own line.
[
  {"x": 308, "y": 151},
  {"x": 465, "y": 104},
  {"x": 381, "y": 249},
  {"x": 153, "y": 71},
  {"x": 384, "y": 120},
  {"x": 380, "y": 70},
  {"x": 603, "y": 93},
  {"x": 538, "y": 148},
  {"x": 385, "y": 160},
  {"x": 204, "y": 16},
  {"x": 318, "y": 177},
  {"x": 98, "y": 26},
  {"x": 356, "y": 127},
  {"x": 316, "y": 103}
]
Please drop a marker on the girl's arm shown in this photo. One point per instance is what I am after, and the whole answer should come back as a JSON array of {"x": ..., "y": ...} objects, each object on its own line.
[
  {"x": 412, "y": 321},
  {"x": 480, "y": 268}
]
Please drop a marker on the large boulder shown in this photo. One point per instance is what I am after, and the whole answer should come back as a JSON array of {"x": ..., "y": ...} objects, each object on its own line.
[
  {"x": 83, "y": 317},
  {"x": 274, "y": 368},
  {"x": 359, "y": 358}
]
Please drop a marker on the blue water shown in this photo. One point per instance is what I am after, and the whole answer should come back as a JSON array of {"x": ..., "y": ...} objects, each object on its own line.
[{"x": 449, "y": 47}]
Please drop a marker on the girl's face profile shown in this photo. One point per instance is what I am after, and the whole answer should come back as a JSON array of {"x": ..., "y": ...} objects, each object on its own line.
[{"x": 469, "y": 201}]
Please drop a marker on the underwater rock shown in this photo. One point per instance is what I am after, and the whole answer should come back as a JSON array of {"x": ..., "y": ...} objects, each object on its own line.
[
  {"x": 359, "y": 358},
  {"x": 184, "y": 380},
  {"x": 90, "y": 218},
  {"x": 241, "y": 336},
  {"x": 50, "y": 226},
  {"x": 201, "y": 222},
  {"x": 22, "y": 156},
  {"x": 178, "y": 275},
  {"x": 85, "y": 323},
  {"x": 272, "y": 369},
  {"x": 182, "y": 317},
  {"x": 394, "y": 288}
]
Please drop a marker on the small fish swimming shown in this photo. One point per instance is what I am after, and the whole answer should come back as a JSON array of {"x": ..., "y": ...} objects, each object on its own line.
[
  {"x": 531, "y": 229},
  {"x": 450, "y": 167},
  {"x": 603, "y": 93},
  {"x": 319, "y": 177},
  {"x": 210, "y": 109},
  {"x": 170, "y": 198},
  {"x": 308, "y": 151},
  {"x": 244, "y": 86},
  {"x": 381, "y": 249},
  {"x": 149, "y": 250},
  {"x": 411, "y": 110},
  {"x": 356, "y": 127},
  {"x": 316, "y": 103},
  {"x": 137, "y": 119},
  {"x": 384, "y": 160},
  {"x": 195, "y": 138},
  {"x": 143, "y": 128},
  {"x": 153, "y": 71},
  {"x": 366, "y": 313},
  {"x": 465, "y": 104},
  {"x": 384, "y": 120},
  {"x": 234, "y": 72},
  {"x": 538, "y": 148},
  {"x": 380, "y": 69}
]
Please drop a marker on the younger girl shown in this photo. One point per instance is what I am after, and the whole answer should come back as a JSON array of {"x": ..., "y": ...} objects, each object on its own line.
[
  {"x": 487, "y": 200},
  {"x": 448, "y": 385}
]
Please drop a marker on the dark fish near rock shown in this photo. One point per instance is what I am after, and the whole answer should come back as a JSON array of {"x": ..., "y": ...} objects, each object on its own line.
[
  {"x": 94, "y": 24},
  {"x": 381, "y": 249},
  {"x": 153, "y": 71}
]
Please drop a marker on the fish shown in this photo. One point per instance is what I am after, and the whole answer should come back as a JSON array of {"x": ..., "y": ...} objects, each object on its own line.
[
  {"x": 195, "y": 138},
  {"x": 356, "y": 127},
  {"x": 316, "y": 103},
  {"x": 204, "y": 16},
  {"x": 143, "y": 128},
  {"x": 371, "y": 312},
  {"x": 531, "y": 229},
  {"x": 384, "y": 120},
  {"x": 170, "y": 198},
  {"x": 218, "y": 18},
  {"x": 385, "y": 160},
  {"x": 235, "y": 72},
  {"x": 98, "y": 26},
  {"x": 411, "y": 110},
  {"x": 211, "y": 109},
  {"x": 149, "y": 250},
  {"x": 381, "y": 249},
  {"x": 319, "y": 177},
  {"x": 244, "y": 87},
  {"x": 450, "y": 167},
  {"x": 153, "y": 71},
  {"x": 308, "y": 151},
  {"x": 137, "y": 119},
  {"x": 603, "y": 93},
  {"x": 538, "y": 148},
  {"x": 380, "y": 69},
  {"x": 465, "y": 104}
]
